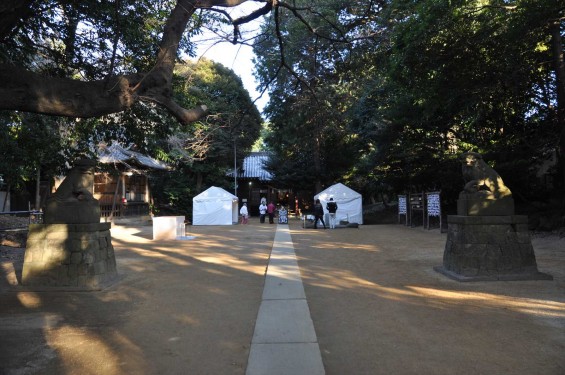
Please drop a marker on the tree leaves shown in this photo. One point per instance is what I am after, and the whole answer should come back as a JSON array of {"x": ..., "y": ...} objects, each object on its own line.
[{"x": 431, "y": 79}]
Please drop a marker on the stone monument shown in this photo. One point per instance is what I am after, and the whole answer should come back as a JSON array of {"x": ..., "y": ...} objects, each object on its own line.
[
  {"x": 72, "y": 249},
  {"x": 486, "y": 241}
]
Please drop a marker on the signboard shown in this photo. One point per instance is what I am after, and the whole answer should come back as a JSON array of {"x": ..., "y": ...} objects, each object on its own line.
[
  {"x": 402, "y": 204},
  {"x": 434, "y": 208},
  {"x": 433, "y": 201}
]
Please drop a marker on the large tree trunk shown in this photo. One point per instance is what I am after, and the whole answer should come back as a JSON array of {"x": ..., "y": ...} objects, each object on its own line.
[{"x": 559, "y": 64}]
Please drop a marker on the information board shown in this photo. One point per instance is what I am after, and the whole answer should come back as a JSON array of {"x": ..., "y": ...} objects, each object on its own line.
[
  {"x": 434, "y": 208},
  {"x": 402, "y": 205}
]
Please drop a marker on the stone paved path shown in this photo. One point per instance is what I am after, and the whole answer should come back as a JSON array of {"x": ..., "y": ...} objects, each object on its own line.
[{"x": 284, "y": 342}]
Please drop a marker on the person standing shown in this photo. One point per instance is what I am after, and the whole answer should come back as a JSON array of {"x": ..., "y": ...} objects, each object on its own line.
[
  {"x": 283, "y": 215},
  {"x": 318, "y": 214},
  {"x": 331, "y": 206},
  {"x": 271, "y": 211},
  {"x": 244, "y": 214},
  {"x": 262, "y": 211}
]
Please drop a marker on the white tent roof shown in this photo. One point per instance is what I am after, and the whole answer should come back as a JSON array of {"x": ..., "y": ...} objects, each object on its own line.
[
  {"x": 349, "y": 202},
  {"x": 339, "y": 192},
  {"x": 214, "y": 193}
]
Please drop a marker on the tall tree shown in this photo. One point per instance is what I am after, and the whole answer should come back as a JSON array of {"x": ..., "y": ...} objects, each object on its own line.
[
  {"x": 309, "y": 92},
  {"x": 461, "y": 75},
  {"x": 202, "y": 152},
  {"x": 233, "y": 121},
  {"x": 31, "y": 149}
]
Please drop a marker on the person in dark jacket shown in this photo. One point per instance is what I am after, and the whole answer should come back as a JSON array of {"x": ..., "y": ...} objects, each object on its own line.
[{"x": 318, "y": 214}]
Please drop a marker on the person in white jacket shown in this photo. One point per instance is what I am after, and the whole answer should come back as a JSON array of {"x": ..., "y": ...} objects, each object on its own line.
[
  {"x": 262, "y": 212},
  {"x": 244, "y": 214}
]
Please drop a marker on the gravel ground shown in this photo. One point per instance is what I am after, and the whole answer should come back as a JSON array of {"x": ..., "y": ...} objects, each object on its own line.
[{"x": 12, "y": 222}]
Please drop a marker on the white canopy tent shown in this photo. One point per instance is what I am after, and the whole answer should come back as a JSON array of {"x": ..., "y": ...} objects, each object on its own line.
[
  {"x": 349, "y": 203},
  {"x": 214, "y": 206}
]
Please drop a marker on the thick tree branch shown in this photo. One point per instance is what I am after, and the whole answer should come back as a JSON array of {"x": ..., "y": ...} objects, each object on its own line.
[
  {"x": 29, "y": 92},
  {"x": 182, "y": 114},
  {"x": 219, "y": 3},
  {"x": 24, "y": 90},
  {"x": 255, "y": 14},
  {"x": 250, "y": 17},
  {"x": 245, "y": 19}
]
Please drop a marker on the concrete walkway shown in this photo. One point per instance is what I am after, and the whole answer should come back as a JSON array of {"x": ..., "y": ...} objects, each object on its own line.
[{"x": 284, "y": 341}]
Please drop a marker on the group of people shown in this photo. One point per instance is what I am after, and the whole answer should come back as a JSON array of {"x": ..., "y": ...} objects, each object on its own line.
[
  {"x": 264, "y": 210},
  {"x": 269, "y": 209},
  {"x": 331, "y": 206}
]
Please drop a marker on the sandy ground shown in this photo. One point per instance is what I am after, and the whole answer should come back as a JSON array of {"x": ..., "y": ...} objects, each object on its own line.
[
  {"x": 182, "y": 307},
  {"x": 378, "y": 307}
]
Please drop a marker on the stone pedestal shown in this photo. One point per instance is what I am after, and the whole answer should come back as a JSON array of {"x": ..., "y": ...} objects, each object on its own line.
[
  {"x": 489, "y": 248},
  {"x": 76, "y": 256}
]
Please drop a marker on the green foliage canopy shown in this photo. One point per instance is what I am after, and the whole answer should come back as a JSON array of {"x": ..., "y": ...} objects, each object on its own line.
[{"x": 414, "y": 84}]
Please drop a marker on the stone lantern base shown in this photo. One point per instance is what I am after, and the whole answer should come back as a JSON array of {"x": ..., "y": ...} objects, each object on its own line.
[
  {"x": 76, "y": 256},
  {"x": 489, "y": 248}
]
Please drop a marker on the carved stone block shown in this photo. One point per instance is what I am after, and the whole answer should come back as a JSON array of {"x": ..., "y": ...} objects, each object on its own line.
[
  {"x": 77, "y": 256},
  {"x": 489, "y": 248}
]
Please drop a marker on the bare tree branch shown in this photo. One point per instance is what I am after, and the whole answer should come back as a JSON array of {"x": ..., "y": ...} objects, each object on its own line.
[
  {"x": 255, "y": 14},
  {"x": 115, "y": 41},
  {"x": 282, "y": 56},
  {"x": 219, "y": 3}
]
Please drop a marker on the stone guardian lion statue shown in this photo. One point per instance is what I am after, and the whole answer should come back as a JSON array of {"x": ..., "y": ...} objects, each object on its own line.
[
  {"x": 481, "y": 179},
  {"x": 73, "y": 202},
  {"x": 484, "y": 192}
]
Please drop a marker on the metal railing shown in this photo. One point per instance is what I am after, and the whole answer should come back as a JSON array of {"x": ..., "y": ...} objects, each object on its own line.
[
  {"x": 124, "y": 209},
  {"x": 21, "y": 219}
]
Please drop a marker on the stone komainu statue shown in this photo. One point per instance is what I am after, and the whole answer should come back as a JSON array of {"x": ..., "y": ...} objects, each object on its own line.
[
  {"x": 481, "y": 179},
  {"x": 484, "y": 193},
  {"x": 73, "y": 202}
]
